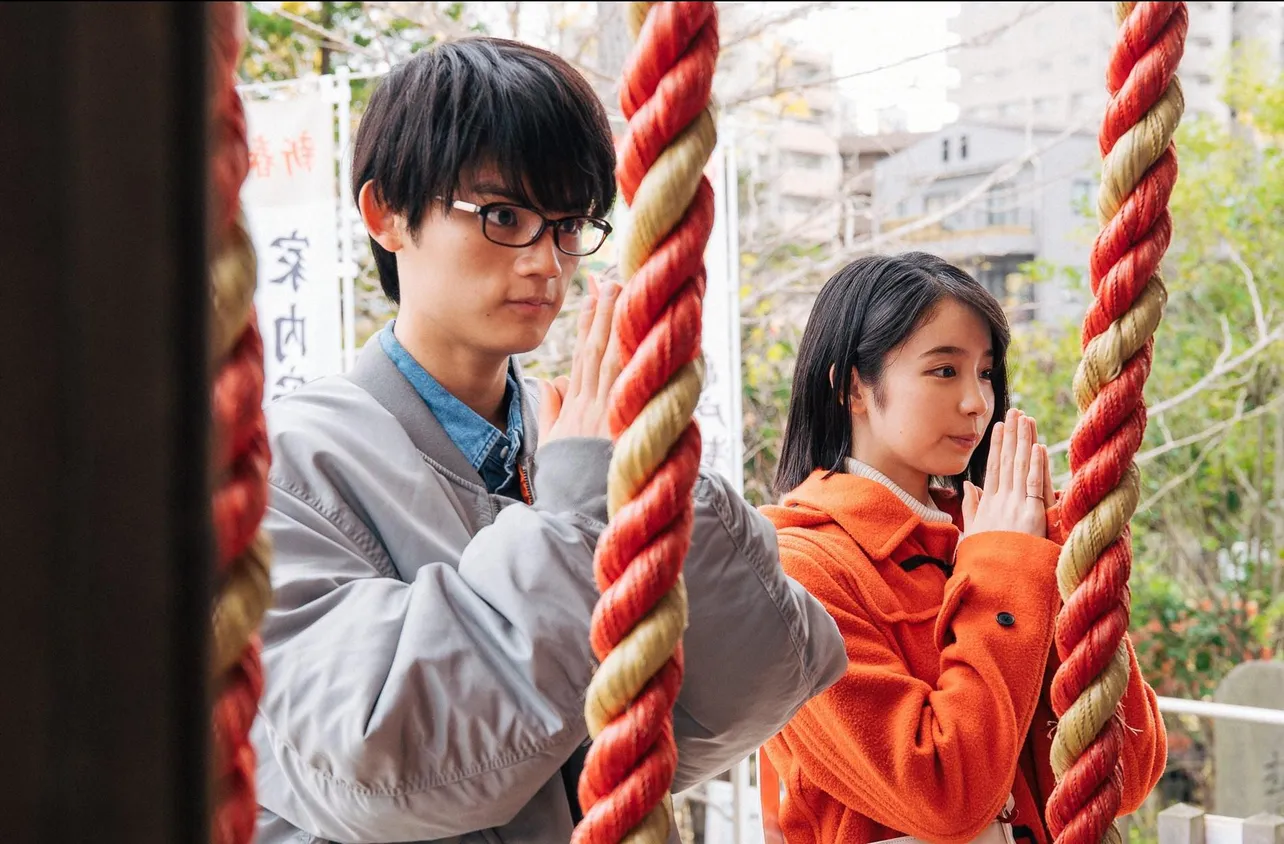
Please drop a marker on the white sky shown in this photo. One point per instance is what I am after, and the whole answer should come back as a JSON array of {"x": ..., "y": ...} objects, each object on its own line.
[
  {"x": 861, "y": 36},
  {"x": 873, "y": 35}
]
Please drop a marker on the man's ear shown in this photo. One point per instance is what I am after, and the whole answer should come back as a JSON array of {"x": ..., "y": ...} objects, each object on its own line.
[{"x": 383, "y": 225}]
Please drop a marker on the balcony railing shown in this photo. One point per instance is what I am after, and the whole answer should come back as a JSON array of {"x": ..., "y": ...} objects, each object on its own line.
[{"x": 967, "y": 223}]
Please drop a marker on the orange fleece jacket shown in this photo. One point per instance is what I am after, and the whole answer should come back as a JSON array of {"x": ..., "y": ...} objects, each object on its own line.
[{"x": 944, "y": 709}]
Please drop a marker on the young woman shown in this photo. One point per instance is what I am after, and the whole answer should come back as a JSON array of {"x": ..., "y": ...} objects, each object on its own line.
[{"x": 920, "y": 511}]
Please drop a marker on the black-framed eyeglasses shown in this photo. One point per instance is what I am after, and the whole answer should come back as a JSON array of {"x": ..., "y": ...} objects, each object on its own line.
[{"x": 509, "y": 224}]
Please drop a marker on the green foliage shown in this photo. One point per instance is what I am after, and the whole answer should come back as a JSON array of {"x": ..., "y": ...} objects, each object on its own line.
[
  {"x": 1187, "y": 643},
  {"x": 1213, "y": 492}
]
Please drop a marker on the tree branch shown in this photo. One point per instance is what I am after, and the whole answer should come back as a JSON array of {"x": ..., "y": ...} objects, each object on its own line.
[
  {"x": 761, "y": 26},
  {"x": 1177, "y": 480},
  {"x": 1213, "y": 430},
  {"x": 1251, "y": 283},
  {"x": 328, "y": 36},
  {"x": 1222, "y": 367}
]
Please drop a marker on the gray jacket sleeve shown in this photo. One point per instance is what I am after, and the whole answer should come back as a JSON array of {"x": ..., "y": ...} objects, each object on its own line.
[
  {"x": 757, "y": 647},
  {"x": 399, "y": 711},
  {"x": 427, "y": 709}
]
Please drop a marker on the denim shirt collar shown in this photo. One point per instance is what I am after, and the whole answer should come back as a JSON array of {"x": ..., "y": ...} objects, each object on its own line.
[{"x": 472, "y": 434}]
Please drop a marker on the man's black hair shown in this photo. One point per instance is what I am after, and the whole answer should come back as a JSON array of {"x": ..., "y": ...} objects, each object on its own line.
[{"x": 483, "y": 101}]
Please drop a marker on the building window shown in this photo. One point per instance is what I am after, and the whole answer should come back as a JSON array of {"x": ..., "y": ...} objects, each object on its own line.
[
  {"x": 797, "y": 160},
  {"x": 793, "y": 204},
  {"x": 962, "y": 147},
  {"x": 1000, "y": 206},
  {"x": 1002, "y": 276},
  {"x": 1082, "y": 195},
  {"x": 945, "y": 149},
  {"x": 935, "y": 203}
]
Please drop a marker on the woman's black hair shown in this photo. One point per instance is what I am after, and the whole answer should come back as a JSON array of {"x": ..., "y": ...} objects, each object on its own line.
[
  {"x": 864, "y": 312},
  {"x": 480, "y": 100}
]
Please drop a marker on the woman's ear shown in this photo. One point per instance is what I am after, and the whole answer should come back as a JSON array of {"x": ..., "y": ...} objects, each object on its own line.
[
  {"x": 855, "y": 399},
  {"x": 383, "y": 225}
]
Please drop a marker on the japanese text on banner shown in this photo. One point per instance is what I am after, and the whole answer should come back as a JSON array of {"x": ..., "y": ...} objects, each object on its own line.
[{"x": 290, "y": 198}]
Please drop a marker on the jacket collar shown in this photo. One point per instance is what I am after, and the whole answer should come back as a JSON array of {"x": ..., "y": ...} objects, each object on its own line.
[
  {"x": 375, "y": 372},
  {"x": 871, "y": 514}
]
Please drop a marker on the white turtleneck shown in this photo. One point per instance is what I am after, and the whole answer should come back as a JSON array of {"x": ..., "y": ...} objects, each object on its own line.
[{"x": 924, "y": 512}]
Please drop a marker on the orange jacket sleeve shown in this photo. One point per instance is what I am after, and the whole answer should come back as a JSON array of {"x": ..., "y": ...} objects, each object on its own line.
[
  {"x": 1145, "y": 748},
  {"x": 935, "y": 761}
]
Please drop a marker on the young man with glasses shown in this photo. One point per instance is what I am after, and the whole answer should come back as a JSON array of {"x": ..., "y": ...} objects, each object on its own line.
[{"x": 434, "y": 526}]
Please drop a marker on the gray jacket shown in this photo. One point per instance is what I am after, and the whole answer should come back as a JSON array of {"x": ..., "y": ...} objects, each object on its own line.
[{"x": 428, "y": 652}]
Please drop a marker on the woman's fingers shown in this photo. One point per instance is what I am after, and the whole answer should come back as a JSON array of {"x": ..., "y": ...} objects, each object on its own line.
[
  {"x": 1049, "y": 493},
  {"x": 1010, "y": 436},
  {"x": 991, "y": 485},
  {"x": 1035, "y": 483},
  {"x": 1021, "y": 455},
  {"x": 970, "y": 500}
]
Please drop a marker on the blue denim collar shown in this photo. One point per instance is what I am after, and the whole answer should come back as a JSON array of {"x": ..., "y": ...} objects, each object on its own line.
[{"x": 472, "y": 434}]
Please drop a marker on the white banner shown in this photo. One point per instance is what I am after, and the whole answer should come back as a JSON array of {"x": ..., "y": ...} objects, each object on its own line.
[
  {"x": 290, "y": 200},
  {"x": 719, "y": 412}
]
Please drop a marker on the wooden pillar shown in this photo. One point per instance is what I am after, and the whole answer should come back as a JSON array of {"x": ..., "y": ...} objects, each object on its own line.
[
  {"x": 1181, "y": 824},
  {"x": 105, "y": 549},
  {"x": 1264, "y": 828}
]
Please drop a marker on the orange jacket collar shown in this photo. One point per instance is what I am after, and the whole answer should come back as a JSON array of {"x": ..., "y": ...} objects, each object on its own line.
[{"x": 867, "y": 511}]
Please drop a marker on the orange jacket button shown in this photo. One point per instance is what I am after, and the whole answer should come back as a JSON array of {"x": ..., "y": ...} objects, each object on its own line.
[{"x": 1006, "y": 619}]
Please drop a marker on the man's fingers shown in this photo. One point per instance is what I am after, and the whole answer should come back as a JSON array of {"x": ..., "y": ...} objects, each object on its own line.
[
  {"x": 550, "y": 405},
  {"x": 611, "y": 368},
  {"x": 599, "y": 337},
  {"x": 585, "y": 321}
]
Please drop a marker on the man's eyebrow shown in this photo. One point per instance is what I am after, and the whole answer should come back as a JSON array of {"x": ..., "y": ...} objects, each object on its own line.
[
  {"x": 504, "y": 191},
  {"x": 497, "y": 189}
]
